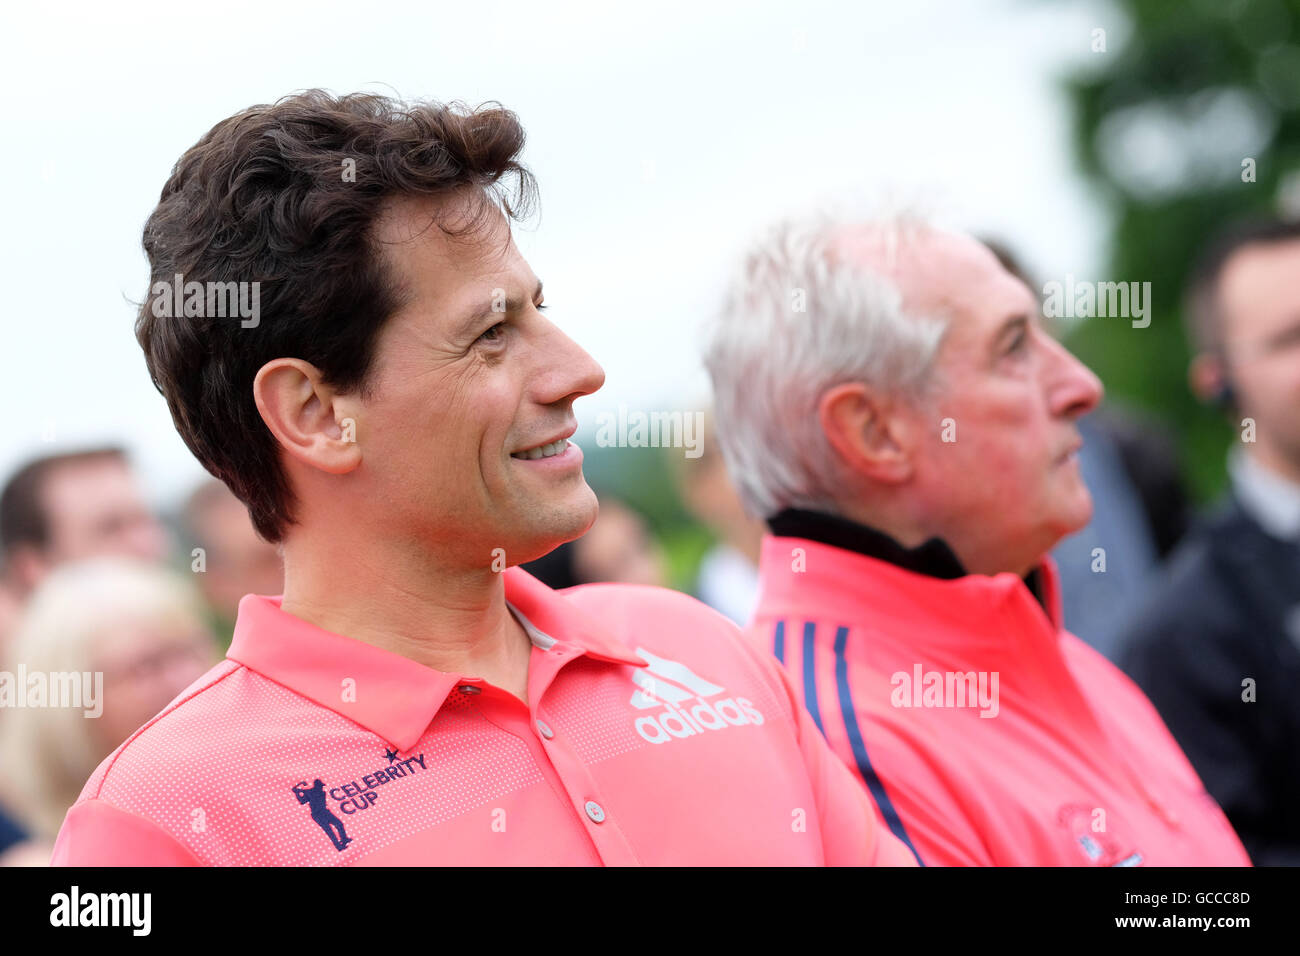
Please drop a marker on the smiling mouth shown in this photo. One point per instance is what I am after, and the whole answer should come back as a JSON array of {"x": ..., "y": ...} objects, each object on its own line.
[{"x": 549, "y": 450}]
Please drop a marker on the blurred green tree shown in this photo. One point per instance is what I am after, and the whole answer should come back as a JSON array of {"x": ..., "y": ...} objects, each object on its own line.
[{"x": 1188, "y": 118}]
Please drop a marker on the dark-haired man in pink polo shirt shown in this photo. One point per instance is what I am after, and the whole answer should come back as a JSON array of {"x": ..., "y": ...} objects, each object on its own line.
[{"x": 346, "y": 334}]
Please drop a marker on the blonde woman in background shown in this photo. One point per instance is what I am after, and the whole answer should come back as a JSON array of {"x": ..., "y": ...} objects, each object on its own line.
[{"x": 141, "y": 627}]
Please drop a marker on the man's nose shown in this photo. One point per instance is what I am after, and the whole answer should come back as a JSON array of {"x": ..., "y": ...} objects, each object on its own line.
[
  {"x": 1073, "y": 389},
  {"x": 146, "y": 539},
  {"x": 569, "y": 372}
]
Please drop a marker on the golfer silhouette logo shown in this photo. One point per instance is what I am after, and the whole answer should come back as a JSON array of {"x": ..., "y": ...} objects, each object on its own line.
[{"x": 314, "y": 796}]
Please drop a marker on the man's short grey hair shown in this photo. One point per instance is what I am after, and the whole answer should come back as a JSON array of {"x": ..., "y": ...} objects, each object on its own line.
[{"x": 797, "y": 321}]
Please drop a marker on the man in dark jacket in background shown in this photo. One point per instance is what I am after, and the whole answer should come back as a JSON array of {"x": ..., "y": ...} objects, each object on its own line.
[{"x": 1217, "y": 647}]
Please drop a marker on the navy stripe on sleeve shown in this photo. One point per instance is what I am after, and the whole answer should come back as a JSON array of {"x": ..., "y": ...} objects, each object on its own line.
[
  {"x": 860, "y": 757},
  {"x": 810, "y": 675}
]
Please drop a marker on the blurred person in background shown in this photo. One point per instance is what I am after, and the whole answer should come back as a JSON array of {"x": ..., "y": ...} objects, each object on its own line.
[
  {"x": 911, "y": 439},
  {"x": 619, "y": 547},
  {"x": 727, "y": 579},
  {"x": 1139, "y": 512},
  {"x": 70, "y": 506},
  {"x": 60, "y": 508},
  {"x": 1217, "y": 647},
  {"x": 236, "y": 559},
  {"x": 139, "y": 625}
]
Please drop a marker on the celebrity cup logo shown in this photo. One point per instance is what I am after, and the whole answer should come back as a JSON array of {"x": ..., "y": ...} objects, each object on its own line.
[{"x": 352, "y": 797}]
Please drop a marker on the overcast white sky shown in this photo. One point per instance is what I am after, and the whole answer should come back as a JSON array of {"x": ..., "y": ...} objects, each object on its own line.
[{"x": 662, "y": 137}]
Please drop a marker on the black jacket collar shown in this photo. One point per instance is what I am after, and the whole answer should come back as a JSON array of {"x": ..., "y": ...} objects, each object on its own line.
[{"x": 933, "y": 558}]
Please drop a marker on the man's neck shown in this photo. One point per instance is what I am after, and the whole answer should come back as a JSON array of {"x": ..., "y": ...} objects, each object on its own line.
[
  {"x": 1268, "y": 495},
  {"x": 452, "y": 619}
]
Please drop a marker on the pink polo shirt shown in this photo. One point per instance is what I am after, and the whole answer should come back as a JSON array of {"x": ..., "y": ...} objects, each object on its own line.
[
  {"x": 986, "y": 733},
  {"x": 653, "y": 735}
]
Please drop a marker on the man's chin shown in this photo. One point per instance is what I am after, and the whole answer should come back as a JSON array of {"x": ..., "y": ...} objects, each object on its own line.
[
  {"x": 1077, "y": 512},
  {"x": 549, "y": 526}
]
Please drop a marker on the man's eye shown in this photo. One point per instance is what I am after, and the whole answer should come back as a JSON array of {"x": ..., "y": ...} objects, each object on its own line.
[
  {"x": 494, "y": 333},
  {"x": 1286, "y": 340},
  {"x": 1018, "y": 343}
]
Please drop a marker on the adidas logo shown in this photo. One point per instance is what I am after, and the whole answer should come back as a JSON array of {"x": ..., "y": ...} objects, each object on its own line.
[{"x": 672, "y": 687}]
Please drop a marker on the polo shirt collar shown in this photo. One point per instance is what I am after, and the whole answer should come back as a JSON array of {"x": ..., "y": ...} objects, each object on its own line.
[{"x": 396, "y": 697}]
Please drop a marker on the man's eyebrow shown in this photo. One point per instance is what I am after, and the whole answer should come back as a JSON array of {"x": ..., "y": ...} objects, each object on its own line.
[{"x": 512, "y": 304}]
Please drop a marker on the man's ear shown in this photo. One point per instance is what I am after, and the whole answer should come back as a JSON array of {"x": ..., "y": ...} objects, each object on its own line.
[
  {"x": 311, "y": 420},
  {"x": 868, "y": 431},
  {"x": 28, "y": 566},
  {"x": 1207, "y": 377}
]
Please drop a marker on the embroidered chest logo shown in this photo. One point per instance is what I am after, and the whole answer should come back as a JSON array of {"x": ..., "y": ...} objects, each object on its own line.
[
  {"x": 354, "y": 796},
  {"x": 680, "y": 696},
  {"x": 1087, "y": 826}
]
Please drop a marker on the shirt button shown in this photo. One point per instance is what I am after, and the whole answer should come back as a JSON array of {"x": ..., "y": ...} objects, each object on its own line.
[
  {"x": 470, "y": 689},
  {"x": 544, "y": 730},
  {"x": 595, "y": 811}
]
